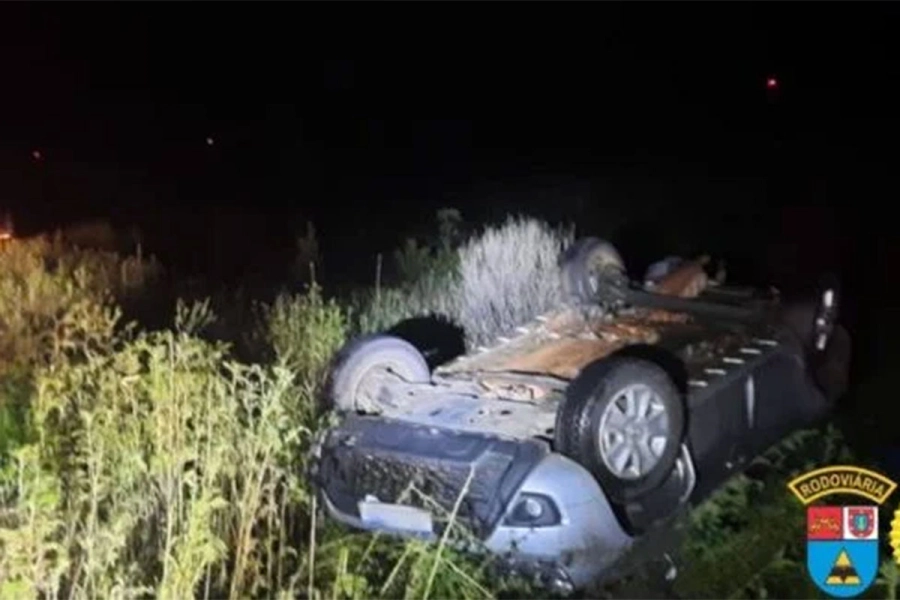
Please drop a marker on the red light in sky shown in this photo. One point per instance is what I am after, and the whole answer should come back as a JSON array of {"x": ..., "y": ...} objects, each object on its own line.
[
  {"x": 36, "y": 155},
  {"x": 771, "y": 83}
]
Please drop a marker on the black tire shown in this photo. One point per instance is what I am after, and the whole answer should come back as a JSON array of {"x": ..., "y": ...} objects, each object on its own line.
[
  {"x": 364, "y": 357},
  {"x": 593, "y": 272},
  {"x": 578, "y": 422}
]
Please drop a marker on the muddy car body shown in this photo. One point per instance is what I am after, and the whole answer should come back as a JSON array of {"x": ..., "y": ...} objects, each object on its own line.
[{"x": 565, "y": 442}]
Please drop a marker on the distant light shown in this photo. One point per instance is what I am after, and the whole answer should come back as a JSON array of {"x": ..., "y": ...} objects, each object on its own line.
[
  {"x": 771, "y": 83},
  {"x": 36, "y": 155},
  {"x": 210, "y": 141}
]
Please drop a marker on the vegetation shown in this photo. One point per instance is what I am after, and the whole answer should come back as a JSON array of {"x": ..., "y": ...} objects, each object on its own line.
[
  {"x": 496, "y": 280},
  {"x": 138, "y": 463}
]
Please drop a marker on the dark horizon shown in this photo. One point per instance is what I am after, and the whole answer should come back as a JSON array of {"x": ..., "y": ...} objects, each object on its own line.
[{"x": 594, "y": 117}]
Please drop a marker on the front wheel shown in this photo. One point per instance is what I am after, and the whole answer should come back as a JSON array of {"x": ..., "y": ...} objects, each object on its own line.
[
  {"x": 365, "y": 369},
  {"x": 623, "y": 419}
]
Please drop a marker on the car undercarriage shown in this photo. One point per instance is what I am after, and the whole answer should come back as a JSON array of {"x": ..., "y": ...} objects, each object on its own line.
[{"x": 568, "y": 440}]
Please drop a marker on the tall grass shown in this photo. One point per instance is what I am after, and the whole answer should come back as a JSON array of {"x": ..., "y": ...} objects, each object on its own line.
[
  {"x": 56, "y": 304},
  {"x": 156, "y": 463},
  {"x": 305, "y": 330},
  {"x": 162, "y": 462}
]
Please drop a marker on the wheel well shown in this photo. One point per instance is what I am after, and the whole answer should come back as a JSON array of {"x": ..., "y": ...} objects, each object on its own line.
[
  {"x": 661, "y": 357},
  {"x": 439, "y": 339}
]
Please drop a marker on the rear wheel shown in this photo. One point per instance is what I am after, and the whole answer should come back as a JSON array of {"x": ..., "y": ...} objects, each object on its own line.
[
  {"x": 623, "y": 419},
  {"x": 593, "y": 272},
  {"x": 364, "y": 370}
]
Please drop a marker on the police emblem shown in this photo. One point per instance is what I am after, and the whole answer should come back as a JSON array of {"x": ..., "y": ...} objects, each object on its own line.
[
  {"x": 842, "y": 548},
  {"x": 842, "y": 542}
]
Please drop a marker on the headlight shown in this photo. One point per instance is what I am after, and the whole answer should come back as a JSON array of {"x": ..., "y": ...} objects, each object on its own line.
[{"x": 533, "y": 510}]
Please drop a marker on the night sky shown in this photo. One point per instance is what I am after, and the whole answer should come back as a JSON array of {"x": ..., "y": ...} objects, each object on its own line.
[{"x": 367, "y": 117}]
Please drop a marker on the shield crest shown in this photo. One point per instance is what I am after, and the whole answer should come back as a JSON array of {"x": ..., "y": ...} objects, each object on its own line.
[{"x": 842, "y": 548}]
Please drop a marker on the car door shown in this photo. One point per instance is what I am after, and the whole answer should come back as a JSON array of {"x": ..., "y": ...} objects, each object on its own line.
[{"x": 717, "y": 431}]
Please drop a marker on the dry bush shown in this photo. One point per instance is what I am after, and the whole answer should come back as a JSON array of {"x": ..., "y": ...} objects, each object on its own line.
[
  {"x": 500, "y": 279},
  {"x": 507, "y": 276},
  {"x": 106, "y": 271},
  {"x": 49, "y": 305}
]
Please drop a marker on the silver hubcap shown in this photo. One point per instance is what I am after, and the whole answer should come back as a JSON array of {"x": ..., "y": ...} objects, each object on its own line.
[
  {"x": 371, "y": 390},
  {"x": 600, "y": 266},
  {"x": 593, "y": 282},
  {"x": 599, "y": 274},
  {"x": 633, "y": 431}
]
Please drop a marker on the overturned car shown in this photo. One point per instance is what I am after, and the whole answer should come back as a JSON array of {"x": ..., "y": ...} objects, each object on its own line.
[{"x": 566, "y": 442}]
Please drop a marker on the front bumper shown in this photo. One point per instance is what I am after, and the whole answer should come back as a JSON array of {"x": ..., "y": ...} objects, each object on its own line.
[{"x": 542, "y": 513}]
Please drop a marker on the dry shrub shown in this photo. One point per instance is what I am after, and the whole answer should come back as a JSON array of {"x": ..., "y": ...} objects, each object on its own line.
[
  {"x": 507, "y": 276},
  {"x": 49, "y": 304},
  {"x": 500, "y": 279}
]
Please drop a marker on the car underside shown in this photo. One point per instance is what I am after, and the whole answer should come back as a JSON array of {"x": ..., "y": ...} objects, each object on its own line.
[{"x": 563, "y": 444}]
